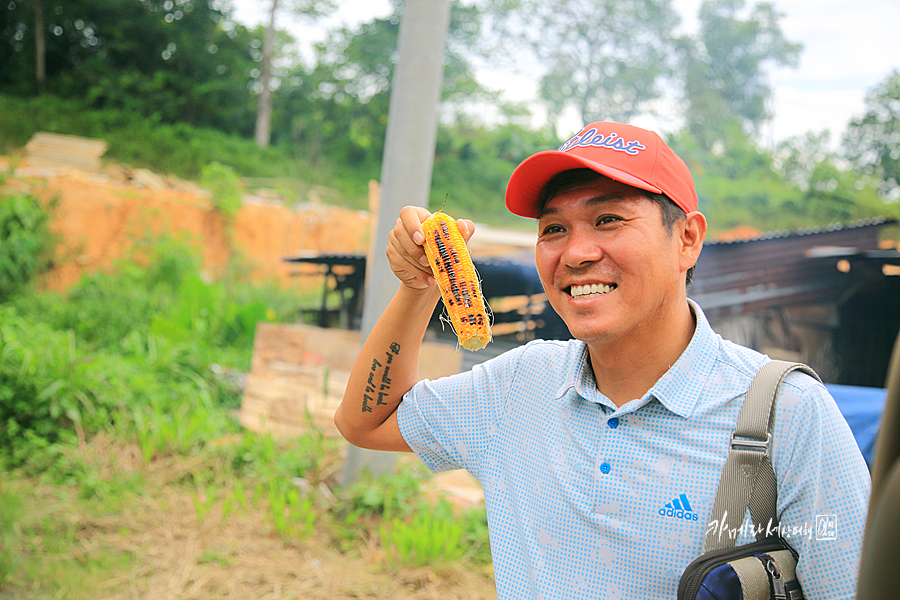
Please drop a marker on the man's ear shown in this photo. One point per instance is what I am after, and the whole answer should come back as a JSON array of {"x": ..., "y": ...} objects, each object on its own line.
[{"x": 692, "y": 233}]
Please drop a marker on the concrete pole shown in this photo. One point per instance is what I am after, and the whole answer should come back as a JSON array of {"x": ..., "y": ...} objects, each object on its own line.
[{"x": 406, "y": 167}]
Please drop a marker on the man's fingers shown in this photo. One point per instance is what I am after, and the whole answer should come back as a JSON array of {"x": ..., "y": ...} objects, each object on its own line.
[
  {"x": 404, "y": 254},
  {"x": 405, "y": 251},
  {"x": 410, "y": 224},
  {"x": 466, "y": 228}
]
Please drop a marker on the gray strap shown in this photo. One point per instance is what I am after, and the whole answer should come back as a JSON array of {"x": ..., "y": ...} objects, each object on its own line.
[
  {"x": 787, "y": 564},
  {"x": 753, "y": 577},
  {"x": 748, "y": 479}
]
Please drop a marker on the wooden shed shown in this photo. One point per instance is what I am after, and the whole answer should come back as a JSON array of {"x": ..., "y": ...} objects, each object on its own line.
[{"x": 826, "y": 296}]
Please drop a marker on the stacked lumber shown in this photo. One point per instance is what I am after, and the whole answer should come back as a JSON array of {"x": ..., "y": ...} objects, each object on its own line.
[
  {"x": 299, "y": 373},
  {"x": 57, "y": 150}
]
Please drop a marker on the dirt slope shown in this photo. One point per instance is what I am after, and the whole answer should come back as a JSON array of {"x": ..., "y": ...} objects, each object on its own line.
[{"x": 99, "y": 216}]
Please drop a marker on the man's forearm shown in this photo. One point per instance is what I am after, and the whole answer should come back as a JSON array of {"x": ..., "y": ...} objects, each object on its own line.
[{"x": 386, "y": 368}]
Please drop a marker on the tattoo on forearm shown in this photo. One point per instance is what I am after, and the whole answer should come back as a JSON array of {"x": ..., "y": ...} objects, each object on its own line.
[{"x": 375, "y": 392}]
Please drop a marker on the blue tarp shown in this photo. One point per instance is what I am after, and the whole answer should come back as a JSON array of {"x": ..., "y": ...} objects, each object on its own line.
[{"x": 862, "y": 408}]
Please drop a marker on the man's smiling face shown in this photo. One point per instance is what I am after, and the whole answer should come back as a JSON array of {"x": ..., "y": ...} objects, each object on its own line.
[{"x": 609, "y": 266}]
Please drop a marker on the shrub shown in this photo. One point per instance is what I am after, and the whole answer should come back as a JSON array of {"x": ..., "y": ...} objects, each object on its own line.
[
  {"x": 27, "y": 244},
  {"x": 223, "y": 183}
]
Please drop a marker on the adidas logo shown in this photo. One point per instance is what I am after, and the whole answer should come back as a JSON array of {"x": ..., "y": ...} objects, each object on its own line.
[{"x": 679, "y": 508}]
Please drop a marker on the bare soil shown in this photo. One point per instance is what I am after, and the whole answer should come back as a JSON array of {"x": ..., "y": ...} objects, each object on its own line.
[{"x": 100, "y": 216}]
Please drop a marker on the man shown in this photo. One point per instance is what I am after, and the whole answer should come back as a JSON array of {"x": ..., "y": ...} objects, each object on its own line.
[{"x": 599, "y": 457}]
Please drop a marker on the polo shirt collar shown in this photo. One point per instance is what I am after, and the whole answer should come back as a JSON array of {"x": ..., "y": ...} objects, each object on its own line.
[{"x": 678, "y": 389}]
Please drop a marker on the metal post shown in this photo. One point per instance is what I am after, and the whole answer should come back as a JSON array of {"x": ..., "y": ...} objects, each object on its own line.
[{"x": 407, "y": 165}]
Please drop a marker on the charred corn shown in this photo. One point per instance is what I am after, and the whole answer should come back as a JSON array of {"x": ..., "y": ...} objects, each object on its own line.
[{"x": 456, "y": 277}]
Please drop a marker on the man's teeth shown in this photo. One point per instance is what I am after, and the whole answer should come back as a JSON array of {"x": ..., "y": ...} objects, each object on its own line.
[{"x": 593, "y": 289}]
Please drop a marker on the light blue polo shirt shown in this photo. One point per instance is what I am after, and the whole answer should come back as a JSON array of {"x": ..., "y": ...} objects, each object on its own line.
[{"x": 587, "y": 500}]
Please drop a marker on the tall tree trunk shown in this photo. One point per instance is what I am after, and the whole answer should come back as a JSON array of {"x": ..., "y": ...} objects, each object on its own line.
[
  {"x": 40, "y": 46},
  {"x": 264, "y": 103}
]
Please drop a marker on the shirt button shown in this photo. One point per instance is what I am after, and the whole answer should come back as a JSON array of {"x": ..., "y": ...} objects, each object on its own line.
[
  {"x": 605, "y": 468},
  {"x": 614, "y": 422}
]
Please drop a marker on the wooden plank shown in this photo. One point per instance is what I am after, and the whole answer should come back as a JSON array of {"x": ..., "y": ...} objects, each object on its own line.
[
  {"x": 54, "y": 150},
  {"x": 77, "y": 144}
]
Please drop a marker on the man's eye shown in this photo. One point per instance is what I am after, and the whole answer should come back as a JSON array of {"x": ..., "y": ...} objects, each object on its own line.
[
  {"x": 607, "y": 219},
  {"x": 551, "y": 229}
]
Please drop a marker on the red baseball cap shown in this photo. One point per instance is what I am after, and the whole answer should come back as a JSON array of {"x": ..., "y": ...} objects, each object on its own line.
[{"x": 628, "y": 154}]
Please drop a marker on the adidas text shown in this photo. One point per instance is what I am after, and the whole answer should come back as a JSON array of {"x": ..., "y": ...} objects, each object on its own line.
[
  {"x": 679, "y": 508},
  {"x": 678, "y": 514}
]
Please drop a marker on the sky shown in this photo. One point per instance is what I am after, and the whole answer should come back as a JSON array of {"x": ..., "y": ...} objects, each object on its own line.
[{"x": 848, "y": 48}]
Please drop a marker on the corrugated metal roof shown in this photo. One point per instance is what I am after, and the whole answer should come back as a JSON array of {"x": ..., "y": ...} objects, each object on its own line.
[
  {"x": 782, "y": 268},
  {"x": 777, "y": 234}
]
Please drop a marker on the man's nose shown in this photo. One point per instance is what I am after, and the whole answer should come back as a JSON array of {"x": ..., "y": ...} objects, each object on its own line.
[{"x": 581, "y": 249}]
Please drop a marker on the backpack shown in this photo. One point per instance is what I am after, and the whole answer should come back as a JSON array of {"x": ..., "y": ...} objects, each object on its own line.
[{"x": 765, "y": 568}]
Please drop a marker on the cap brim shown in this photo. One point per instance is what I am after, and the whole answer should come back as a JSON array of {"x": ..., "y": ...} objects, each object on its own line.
[{"x": 523, "y": 192}]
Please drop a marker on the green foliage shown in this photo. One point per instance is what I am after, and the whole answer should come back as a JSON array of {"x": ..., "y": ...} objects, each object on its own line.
[
  {"x": 49, "y": 385},
  {"x": 11, "y": 511},
  {"x": 260, "y": 457},
  {"x": 169, "y": 61},
  {"x": 802, "y": 186},
  {"x": 292, "y": 515},
  {"x": 26, "y": 243},
  {"x": 223, "y": 183},
  {"x": 177, "y": 148},
  {"x": 413, "y": 530},
  {"x": 724, "y": 74},
  {"x": 42, "y": 386},
  {"x": 163, "y": 431},
  {"x": 152, "y": 351},
  {"x": 105, "y": 306},
  {"x": 796, "y": 158},
  {"x": 204, "y": 311},
  {"x": 872, "y": 141},
  {"x": 158, "y": 294},
  {"x": 203, "y": 497},
  {"x": 42, "y": 551},
  {"x": 390, "y": 495},
  {"x": 427, "y": 538},
  {"x": 591, "y": 58},
  {"x": 473, "y": 164}
]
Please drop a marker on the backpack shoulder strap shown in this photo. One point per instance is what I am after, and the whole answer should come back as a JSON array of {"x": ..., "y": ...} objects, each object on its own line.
[{"x": 748, "y": 479}]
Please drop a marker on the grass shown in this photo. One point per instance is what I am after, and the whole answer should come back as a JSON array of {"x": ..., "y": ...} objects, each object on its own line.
[
  {"x": 424, "y": 539},
  {"x": 236, "y": 517},
  {"x": 151, "y": 489},
  {"x": 44, "y": 551},
  {"x": 124, "y": 472}
]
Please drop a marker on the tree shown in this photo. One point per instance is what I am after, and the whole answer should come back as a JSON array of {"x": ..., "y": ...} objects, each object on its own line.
[
  {"x": 872, "y": 141},
  {"x": 797, "y": 158},
  {"x": 349, "y": 87},
  {"x": 724, "y": 67},
  {"x": 604, "y": 58},
  {"x": 309, "y": 9},
  {"x": 23, "y": 62},
  {"x": 172, "y": 60},
  {"x": 40, "y": 47}
]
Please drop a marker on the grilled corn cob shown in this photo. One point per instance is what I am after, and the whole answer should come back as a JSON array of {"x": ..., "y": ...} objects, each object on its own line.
[{"x": 456, "y": 277}]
